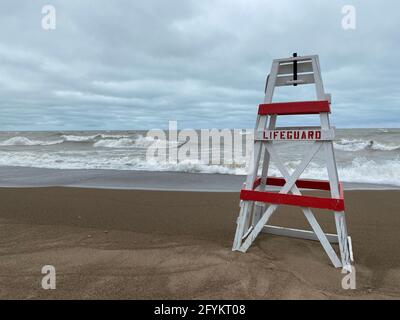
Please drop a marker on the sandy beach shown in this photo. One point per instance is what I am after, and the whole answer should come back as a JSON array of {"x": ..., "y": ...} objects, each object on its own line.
[
  {"x": 130, "y": 244},
  {"x": 131, "y": 132}
]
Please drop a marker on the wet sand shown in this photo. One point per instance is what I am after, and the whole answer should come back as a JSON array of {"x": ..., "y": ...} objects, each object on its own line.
[
  {"x": 127, "y": 244},
  {"x": 137, "y": 180}
]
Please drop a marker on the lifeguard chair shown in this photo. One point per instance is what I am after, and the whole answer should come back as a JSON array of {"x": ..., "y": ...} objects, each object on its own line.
[{"x": 256, "y": 203}]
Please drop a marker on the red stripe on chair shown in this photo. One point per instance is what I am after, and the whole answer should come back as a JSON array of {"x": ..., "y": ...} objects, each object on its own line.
[
  {"x": 293, "y": 200},
  {"x": 288, "y": 108},
  {"x": 301, "y": 183}
]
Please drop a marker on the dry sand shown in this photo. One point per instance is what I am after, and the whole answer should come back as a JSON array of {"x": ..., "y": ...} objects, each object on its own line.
[{"x": 177, "y": 245}]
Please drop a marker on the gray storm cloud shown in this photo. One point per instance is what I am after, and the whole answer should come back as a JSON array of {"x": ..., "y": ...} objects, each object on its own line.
[{"x": 137, "y": 64}]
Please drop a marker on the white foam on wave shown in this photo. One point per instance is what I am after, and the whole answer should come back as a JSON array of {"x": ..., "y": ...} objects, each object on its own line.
[
  {"x": 147, "y": 141},
  {"x": 141, "y": 141},
  {"x": 113, "y": 136},
  {"x": 350, "y": 145},
  {"x": 144, "y": 141},
  {"x": 384, "y": 147},
  {"x": 358, "y": 145},
  {"x": 75, "y": 138},
  {"x": 370, "y": 171},
  {"x": 138, "y": 142},
  {"x": 98, "y": 140},
  {"x": 115, "y": 143},
  {"x": 360, "y": 170},
  {"x": 92, "y": 138},
  {"x": 81, "y": 160},
  {"x": 23, "y": 141}
]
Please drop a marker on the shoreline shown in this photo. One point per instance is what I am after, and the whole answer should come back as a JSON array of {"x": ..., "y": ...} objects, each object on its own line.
[{"x": 27, "y": 177}]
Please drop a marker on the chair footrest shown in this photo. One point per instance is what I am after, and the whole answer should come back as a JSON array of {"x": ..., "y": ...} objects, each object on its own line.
[{"x": 297, "y": 233}]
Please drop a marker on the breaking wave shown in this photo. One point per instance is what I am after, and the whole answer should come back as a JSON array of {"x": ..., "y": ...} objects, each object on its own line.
[
  {"x": 115, "y": 143},
  {"x": 358, "y": 145},
  {"x": 97, "y": 140},
  {"x": 363, "y": 157},
  {"x": 141, "y": 141},
  {"x": 23, "y": 141},
  {"x": 73, "y": 138},
  {"x": 360, "y": 170}
]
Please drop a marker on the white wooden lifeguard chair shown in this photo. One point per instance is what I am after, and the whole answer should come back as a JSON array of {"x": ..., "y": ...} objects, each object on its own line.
[{"x": 257, "y": 204}]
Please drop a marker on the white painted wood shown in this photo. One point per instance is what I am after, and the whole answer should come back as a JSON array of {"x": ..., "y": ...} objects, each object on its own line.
[
  {"x": 257, "y": 228},
  {"x": 298, "y": 58},
  {"x": 302, "y": 67},
  {"x": 297, "y": 233},
  {"x": 271, "y": 82},
  {"x": 315, "y": 226},
  {"x": 340, "y": 220},
  {"x": 307, "y": 211},
  {"x": 322, "y": 237},
  {"x": 319, "y": 87},
  {"x": 341, "y": 230},
  {"x": 252, "y": 218},
  {"x": 290, "y": 134},
  {"x": 350, "y": 248},
  {"x": 299, "y": 170},
  {"x": 255, "y": 156},
  {"x": 247, "y": 233},
  {"x": 249, "y": 217},
  {"x": 328, "y": 97},
  {"x": 332, "y": 169},
  {"x": 264, "y": 174},
  {"x": 290, "y": 181},
  {"x": 306, "y": 78},
  {"x": 269, "y": 92},
  {"x": 240, "y": 224},
  {"x": 299, "y": 128},
  {"x": 245, "y": 216}
]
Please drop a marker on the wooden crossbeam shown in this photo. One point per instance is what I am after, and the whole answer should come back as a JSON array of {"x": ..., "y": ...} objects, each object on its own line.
[
  {"x": 307, "y": 211},
  {"x": 301, "y": 183},
  {"x": 293, "y": 200},
  {"x": 297, "y": 233},
  {"x": 290, "y": 181},
  {"x": 302, "y": 67},
  {"x": 304, "y": 78}
]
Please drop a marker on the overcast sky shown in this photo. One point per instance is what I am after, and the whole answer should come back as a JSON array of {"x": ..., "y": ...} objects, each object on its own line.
[{"x": 138, "y": 64}]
